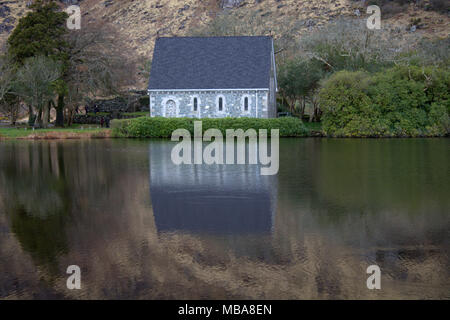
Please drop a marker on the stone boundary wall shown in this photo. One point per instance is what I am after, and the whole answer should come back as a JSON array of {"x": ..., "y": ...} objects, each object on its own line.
[
  {"x": 132, "y": 102},
  {"x": 96, "y": 119}
]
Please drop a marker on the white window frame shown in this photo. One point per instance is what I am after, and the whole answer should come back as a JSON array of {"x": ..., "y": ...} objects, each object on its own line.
[
  {"x": 243, "y": 103},
  {"x": 224, "y": 103}
]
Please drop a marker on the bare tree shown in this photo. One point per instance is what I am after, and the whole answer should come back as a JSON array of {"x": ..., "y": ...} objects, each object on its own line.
[
  {"x": 9, "y": 104},
  {"x": 433, "y": 52},
  {"x": 35, "y": 85},
  {"x": 349, "y": 44},
  {"x": 99, "y": 64},
  {"x": 6, "y": 76}
]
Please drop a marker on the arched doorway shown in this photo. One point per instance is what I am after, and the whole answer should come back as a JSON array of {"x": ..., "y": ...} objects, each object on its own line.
[{"x": 171, "y": 109}]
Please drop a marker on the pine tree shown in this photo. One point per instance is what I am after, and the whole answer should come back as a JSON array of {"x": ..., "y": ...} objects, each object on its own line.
[{"x": 40, "y": 32}]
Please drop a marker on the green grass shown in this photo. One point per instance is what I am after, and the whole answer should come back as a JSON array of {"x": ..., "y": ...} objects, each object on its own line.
[{"x": 19, "y": 132}]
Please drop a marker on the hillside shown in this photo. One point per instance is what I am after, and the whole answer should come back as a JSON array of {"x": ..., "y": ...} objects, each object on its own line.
[{"x": 141, "y": 21}]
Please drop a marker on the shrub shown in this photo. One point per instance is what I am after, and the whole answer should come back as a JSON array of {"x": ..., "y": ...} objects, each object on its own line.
[
  {"x": 390, "y": 9},
  {"x": 347, "y": 44},
  {"x": 440, "y": 5},
  {"x": 144, "y": 101},
  {"x": 146, "y": 127},
  {"x": 398, "y": 102}
]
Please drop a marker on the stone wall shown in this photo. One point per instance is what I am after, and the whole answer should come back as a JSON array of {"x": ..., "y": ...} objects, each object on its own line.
[
  {"x": 96, "y": 119},
  {"x": 90, "y": 119},
  {"x": 131, "y": 102},
  {"x": 180, "y": 104}
]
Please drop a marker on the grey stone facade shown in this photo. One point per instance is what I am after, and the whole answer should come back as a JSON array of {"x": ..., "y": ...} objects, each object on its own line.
[{"x": 180, "y": 103}]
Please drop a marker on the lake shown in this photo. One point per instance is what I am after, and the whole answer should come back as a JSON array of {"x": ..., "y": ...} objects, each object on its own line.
[{"x": 140, "y": 227}]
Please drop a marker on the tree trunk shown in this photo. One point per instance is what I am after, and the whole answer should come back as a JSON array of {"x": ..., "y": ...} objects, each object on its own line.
[
  {"x": 313, "y": 112},
  {"x": 30, "y": 115},
  {"x": 45, "y": 116},
  {"x": 290, "y": 103},
  {"x": 69, "y": 117},
  {"x": 59, "y": 122},
  {"x": 316, "y": 111},
  {"x": 14, "y": 114},
  {"x": 38, "y": 121},
  {"x": 302, "y": 107}
]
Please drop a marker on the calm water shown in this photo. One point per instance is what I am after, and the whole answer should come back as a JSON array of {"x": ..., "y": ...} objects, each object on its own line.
[{"x": 140, "y": 227}]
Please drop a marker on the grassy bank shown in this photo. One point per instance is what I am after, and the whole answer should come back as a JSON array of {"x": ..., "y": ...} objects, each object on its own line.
[
  {"x": 146, "y": 127},
  {"x": 54, "y": 133}
]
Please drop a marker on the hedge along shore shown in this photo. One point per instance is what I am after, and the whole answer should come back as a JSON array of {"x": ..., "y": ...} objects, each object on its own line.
[{"x": 158, "y": 127}]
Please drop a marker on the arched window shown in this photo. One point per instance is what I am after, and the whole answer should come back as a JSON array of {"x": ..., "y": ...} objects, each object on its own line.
[
  {"x": 195, "y": 104},
  {"x": 220, "y": 104},
  {"x": 246, "y": 103}
]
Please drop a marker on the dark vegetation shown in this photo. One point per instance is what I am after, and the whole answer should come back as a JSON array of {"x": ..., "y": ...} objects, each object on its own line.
[
  {"x": 392, "y": 7},
  {"x": 398, "y": 102},
  {"x": 48, "y": 67}
]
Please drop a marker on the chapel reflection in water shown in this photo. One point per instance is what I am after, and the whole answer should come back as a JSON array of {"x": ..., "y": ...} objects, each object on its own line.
[{"x": 210, "y": 199}]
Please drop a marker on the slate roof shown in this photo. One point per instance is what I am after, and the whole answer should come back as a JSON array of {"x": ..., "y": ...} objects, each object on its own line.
[{"x": 211, "y": 63}]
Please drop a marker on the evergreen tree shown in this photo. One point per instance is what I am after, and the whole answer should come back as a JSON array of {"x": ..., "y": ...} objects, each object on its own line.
[{"x": 40, "y": 32}]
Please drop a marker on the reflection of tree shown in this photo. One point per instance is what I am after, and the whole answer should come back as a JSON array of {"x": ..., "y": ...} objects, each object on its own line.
[
  {"x": 368, "y": 193},
  {"x": 101, "y": 218},
  {"x": 337, "y": 178},
  {"x": 38, "y": 201},
  {"x": 373, "y": 175},
  {"x": 46, "y": 185},
  {"x": 44, "y": 239}
]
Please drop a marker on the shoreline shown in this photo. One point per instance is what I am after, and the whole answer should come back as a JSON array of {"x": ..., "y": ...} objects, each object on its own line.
[
  {"x": 8, "y": 133},
  {"x": 55, "y": 135}
]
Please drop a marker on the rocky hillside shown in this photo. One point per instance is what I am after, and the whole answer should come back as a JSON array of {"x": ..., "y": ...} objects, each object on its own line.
[
  {"x": 141, "y": 21},
  {"x": 144, "y": 20}
]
